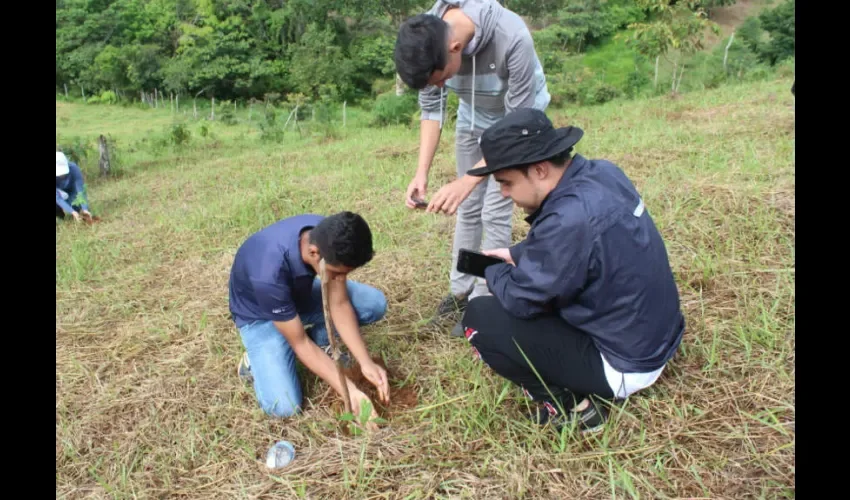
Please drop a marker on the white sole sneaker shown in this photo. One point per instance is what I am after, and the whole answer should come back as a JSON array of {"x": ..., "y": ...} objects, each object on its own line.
[{"x": 244, "y": 369}]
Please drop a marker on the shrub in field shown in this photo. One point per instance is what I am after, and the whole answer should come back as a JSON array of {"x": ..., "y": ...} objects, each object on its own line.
[
  {"x": 269, "y": 128},
  {"x": 583, "y": 88},
  {"x": 635, "y": 83},
  {"x": 391, "y": 109},
  {"x": 599, "y": 93},
  {"x": 108, "y": 97},
  {"x": 227, "y": 113},
  {"x": 180, "y": 134},
  {"x": 77, "y": 149}
]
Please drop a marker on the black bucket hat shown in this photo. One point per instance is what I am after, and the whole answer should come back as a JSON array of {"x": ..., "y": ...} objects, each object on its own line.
[{"x": 523, "y": 137}]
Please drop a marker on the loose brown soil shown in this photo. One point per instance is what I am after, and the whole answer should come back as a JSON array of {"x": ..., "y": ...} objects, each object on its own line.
[
  {"x": 403, "y": 394},
  {"x": 91, "y": 219}
]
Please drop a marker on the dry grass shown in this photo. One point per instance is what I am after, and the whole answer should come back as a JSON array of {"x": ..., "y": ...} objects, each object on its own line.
[{"x": 148, "y": 403}]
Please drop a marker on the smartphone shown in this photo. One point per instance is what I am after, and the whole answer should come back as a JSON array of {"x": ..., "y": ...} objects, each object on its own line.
[
  {"x": 474, "y": 263},
  {"x": 420, "y": 203}
]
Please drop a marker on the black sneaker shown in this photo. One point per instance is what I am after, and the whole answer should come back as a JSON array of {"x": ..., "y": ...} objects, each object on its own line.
[
  {"x": 450, "y": 306},
  {"x": 459, "y": 331},
  {"x": 591, "y": 419}
]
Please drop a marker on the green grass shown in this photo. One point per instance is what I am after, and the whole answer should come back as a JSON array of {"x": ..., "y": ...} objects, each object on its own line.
[
  {"x": 148, "y": 402},
  {"x": 612, "y": 60}
]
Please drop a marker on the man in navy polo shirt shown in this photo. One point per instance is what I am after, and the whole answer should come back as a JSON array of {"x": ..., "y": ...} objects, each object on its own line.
[{"x": 275, "y": 293}]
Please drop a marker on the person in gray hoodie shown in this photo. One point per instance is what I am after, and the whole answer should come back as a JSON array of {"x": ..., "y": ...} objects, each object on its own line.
[{"x": 485, "y": 54}]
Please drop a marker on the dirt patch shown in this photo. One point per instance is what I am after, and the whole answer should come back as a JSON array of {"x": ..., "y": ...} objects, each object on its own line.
[
  {"x": 730, "y": 17},
  {"x": 91, "y": 219},
  {"x": 403, "y": 394}
]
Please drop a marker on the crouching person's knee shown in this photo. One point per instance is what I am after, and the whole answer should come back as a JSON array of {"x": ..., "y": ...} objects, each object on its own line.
[
  {"x": 474, "y": 318},
  {"x": 377, "y": 307},
  {"x": 281, "y": 408},
  {"x": 370, "y": 305}
]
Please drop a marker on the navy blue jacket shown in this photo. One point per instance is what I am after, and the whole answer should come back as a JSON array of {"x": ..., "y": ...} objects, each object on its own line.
[
  {"x": 594, "y": 256},
  {"x": 73, "y": 184}
]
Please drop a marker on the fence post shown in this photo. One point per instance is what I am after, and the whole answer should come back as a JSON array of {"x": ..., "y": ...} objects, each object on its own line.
[
  {"x": 103, "y": 160},
  {"x": 726, "y": 52}
]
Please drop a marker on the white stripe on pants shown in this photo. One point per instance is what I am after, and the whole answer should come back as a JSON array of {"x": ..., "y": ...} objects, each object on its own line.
[{"x": 484, "y": 213}]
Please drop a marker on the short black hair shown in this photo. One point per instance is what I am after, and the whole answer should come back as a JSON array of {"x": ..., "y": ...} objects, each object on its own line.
[
  {"x": 420, "y": 49},
  {"x": 343, "y": 239}
]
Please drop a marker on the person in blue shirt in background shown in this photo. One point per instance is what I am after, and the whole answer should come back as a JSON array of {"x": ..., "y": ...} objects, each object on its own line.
[
  {"x": 275, "y": 294},
  {"x": 70, "y": 189}
]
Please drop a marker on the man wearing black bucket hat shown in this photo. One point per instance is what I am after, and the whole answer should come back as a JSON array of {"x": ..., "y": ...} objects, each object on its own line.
[{"x": 585, "y": 310}]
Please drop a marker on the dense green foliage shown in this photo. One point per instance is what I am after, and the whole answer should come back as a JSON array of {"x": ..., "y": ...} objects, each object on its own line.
[
  {"x": 316, "y": 52},
  {"x": 226, "y": 48},
  {"x": 771, "y": 36}
]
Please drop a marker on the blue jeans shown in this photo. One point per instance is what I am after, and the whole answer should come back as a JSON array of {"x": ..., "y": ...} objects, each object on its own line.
[{"x": 272, "y": 359}]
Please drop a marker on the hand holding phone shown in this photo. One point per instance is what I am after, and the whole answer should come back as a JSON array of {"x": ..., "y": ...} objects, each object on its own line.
[
  {"x": 474, "y": 263},
  {"x": 501, "y": 253},
  {"x": 420, "y": 203},
  {"x": 415, "y": 194}
]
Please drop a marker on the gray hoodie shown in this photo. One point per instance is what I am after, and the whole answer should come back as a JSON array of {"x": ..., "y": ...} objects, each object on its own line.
[{"x": 499, "y": 73}]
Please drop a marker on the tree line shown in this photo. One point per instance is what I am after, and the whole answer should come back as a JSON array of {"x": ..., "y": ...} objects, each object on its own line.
[{"x": 321, "y": 49}]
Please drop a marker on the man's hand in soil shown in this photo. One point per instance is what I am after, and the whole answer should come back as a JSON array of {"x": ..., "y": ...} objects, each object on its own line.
[
  {"x": 450, "y": 196},
  {"x": 316, "y": 360},
  {"x": 358, "y": 399},
  {"x": 86, "y": 214},
  {"x": 76, "y": 216},
  {"x": 375, "y": 374}
]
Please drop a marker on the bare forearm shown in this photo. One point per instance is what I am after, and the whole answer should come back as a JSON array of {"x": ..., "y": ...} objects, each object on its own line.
[
  {"x": 345, "y": 321},
  {"x": 477, "y": 179},
  {"x": 429, "y": 138},
  {"x": 315, "y": 359}
]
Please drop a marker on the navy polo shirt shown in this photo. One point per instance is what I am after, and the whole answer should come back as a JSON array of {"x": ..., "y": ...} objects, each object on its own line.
[{"x": 269, "y": 281}]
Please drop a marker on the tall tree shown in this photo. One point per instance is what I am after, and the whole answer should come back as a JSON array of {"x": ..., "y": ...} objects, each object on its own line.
[{"x": 673, "y": 25}]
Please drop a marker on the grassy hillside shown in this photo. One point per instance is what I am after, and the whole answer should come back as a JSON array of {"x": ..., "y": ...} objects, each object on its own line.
[{"x": 148, "y": 402}]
